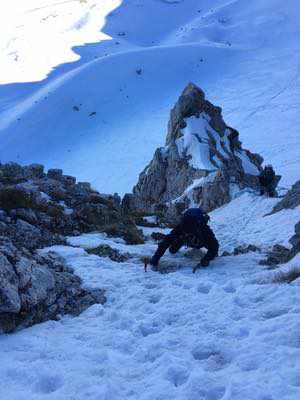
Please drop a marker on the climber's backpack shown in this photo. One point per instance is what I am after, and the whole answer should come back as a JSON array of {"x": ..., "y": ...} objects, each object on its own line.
[{"x": 193, "y": 219}]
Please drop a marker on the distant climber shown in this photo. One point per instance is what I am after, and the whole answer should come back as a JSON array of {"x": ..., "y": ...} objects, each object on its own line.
[
  {"x": 268, "y": 181},
  {"x": 192, "y": 231}
]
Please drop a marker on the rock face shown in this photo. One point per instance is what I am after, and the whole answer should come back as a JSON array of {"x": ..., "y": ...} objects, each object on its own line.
[
  {"x": 280, "y": 254},
  {"x": 290, "y": 200},
  {"x": 35, "y": 288},
  {"x": 37, "y": 209},
  {"x": 200, "y": 164},
  {"x": 295, "y": 240},
  {"x": 105, "y": 250}
]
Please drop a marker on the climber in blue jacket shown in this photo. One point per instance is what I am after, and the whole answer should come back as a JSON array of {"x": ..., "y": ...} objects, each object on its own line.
[{"x": 192, "y": 231}]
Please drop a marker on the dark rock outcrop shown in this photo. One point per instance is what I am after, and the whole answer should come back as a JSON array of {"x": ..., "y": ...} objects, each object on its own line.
[
  {"x": 295, "y": 239},
  {"x": 243, "y": 249},
  {"x": 105, "y": 250},
  {"x": 278, "y": 255},
  {"x": 35, "y": 288},
  {"x": 38, "y": 209},
  {"x": 202, "y": 161},
  {"x": 290, "y": 200}
]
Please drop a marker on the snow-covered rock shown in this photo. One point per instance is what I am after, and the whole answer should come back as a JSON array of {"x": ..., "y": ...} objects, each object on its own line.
[
  {"x": 36, "y": 210},
  {"x": 202, "y": 159},
  {"x": 36, "y": 288},
  {"x": 290, "y": 200}
]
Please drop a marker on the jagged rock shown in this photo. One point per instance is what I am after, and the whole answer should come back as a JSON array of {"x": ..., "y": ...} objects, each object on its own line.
[
  {"x": 128, "y": 231},
  {"x": 243, "y": 249},
  {"x": 215, "y": 193},
  {"x": 290, "y": 200},
  {"x": 246, "y": 249},
  {"x": 295, "y": 240},
  {"x": 55, "y": 174},
  {"x": 38, "y": 289},
  {"x": 105, "y": 250},
  {"x": 11, "y": 173},
  {"x": 56, "y": 205},
  {"x": 202, "y": 160},
  {"x": 128, "y": 205},
  {"x": 18, "y": 196},
  {"x": 96, "y": 214},
  {"x": 9, "y": 296},
  {"x": 38, "y": 210},
  {"x": 278, "y": 255}
]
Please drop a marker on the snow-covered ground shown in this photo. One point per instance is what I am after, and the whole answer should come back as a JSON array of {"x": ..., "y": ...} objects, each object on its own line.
[
  {"x": 227, "y": 332},
  {"x": 101, "y": 121}
]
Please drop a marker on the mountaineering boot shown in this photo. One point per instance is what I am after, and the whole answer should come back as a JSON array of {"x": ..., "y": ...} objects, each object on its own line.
[
  {"x": 154, "y": 260},
  {"x": 162, "y": 247}
]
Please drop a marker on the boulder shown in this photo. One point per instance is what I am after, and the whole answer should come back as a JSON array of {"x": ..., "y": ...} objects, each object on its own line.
[
  {"x": 278, "y": 255},
  {"x": 105, "y": 250},
  {"x": 55, "y": 173},
  {"x": 295, "y": 239},
  {"x": 38, "y": 288},
  {"x": 127, "y": 230},
  {"x": 34, "y": 171},
  {"x": 9, "y": 297},
  {"x": 18, "y": 196}
]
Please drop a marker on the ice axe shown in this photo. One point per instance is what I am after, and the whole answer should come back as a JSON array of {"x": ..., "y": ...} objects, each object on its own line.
[{"x": 146, "y": 261}]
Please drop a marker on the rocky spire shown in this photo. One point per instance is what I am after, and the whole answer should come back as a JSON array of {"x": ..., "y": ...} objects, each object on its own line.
[{"x": 201, "y": 162}]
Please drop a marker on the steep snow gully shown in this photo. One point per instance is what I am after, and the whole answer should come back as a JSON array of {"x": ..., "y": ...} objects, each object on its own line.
[{"x": 99, "y": 110}]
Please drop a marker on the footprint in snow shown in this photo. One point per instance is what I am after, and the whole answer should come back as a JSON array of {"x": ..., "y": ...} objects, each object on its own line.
[
  {"x": 204, "y": 288},
  {"x": 48, "y": 383},
  {"x": 241, "y": 333},
  {"x": 150, "y": 286},
  {"x": 214, "y": 359},
  {"x": 155, "y": 298},
  {"x": 177, "y": 374},
  {"x": 270, "y": 314},
  {"x": 229, "y": 288},
  {"x": 215, "y": 393},
  {"x": 247, "y": 364},
  {"x": 150, "y": 328},
  {"x": 241, "y": 302}
]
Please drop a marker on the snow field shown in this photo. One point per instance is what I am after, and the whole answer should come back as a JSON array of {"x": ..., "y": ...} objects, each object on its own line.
[{"x": 213, "y": 335}]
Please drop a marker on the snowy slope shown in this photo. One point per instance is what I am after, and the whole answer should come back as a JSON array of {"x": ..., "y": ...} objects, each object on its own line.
[
  {"x": 245, "y": 55},
  {"x": 226, "y": 332}
]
